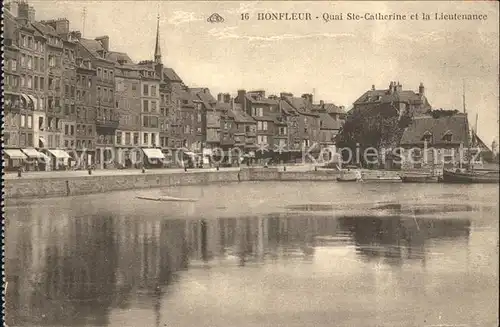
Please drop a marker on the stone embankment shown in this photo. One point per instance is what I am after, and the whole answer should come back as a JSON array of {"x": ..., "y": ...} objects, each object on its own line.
[{"x": 90, "y": 184}]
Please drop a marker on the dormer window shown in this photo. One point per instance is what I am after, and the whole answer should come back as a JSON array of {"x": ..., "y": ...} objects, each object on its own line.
[
  {"x": 447, "y": 137},
  {"x": 427, "y": 137}
]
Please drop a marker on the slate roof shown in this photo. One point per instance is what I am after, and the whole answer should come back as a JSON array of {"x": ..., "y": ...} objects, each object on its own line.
[
  {"x": 44, "y": 29},
  {"x": 301, "y": 105},
  {"x": 287, "y": 108},
  {"x": 170, "y": 74},
  {"x": 204, "y": 95},
  {"x": 116, "y": 56},
  {"x": 241, "y": 117},
  {"x": 457, "y": 125},
  {"x": 384, "y": 96},
  {"x": 328, "y": 123},
  {"x": 261, "y": 100}
]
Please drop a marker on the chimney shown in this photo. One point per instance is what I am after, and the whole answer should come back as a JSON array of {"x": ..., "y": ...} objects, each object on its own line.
[
  {"x": 391, "y": 88},
  {"x": 104, "y": 40},
  {"x": 421, "y": 89},
  {"x": 242, "y": 100},
  {"x": 31, "y": 14},
  {"x": 23, "y": 11},
  {"x": 322, "y": 104},
  {"x": 227, "y": 98},
  {"x": 399, "y": 87},
  {"x": 308, "y": 97},
  {"x": 283, "y": 95},
  {"x": 220, "y": 97},
  {"x": 76, "y": 35},
  {"x": 373, "y": 87}
]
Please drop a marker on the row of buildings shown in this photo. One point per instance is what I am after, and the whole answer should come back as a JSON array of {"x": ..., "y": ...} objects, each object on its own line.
[{"x": 69, "y": 97}]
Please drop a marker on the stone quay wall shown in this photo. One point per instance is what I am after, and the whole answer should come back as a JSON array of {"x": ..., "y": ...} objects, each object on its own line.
[{"x": 80, "y": 185}]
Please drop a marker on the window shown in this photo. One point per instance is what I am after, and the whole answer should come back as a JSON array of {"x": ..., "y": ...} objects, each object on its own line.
[
  {"x": 199, "y": 118},
  {"x": 136, "y": 138},
  {"x": 145, "y": 89},
  {"x": 258, "y": 112},
  {"x": 30, "y": 82},
  {"x": 14, "y": 64},
  {"x": 145, "y": 106},
  {"x": 447, "y": 137},
  {"x": 145, "y": 137},
  {"x": 23, "y": 120},
  {"x": 30, "y": 122},
  {"x": 99, "y": 72},
  {"x": 30, "y": 62},
  {"x": 153, "y": 139},
  {"x": 134, "y": 86},
  {"x": 119, "y": 138},
  {"x": 262, "y": 139},
  {"x": 153, "y": 90},
  {"x": 66, "y": 129},
  {"x": 262, "y": 125},
  {"x": 127, "y": 138},
  {"x": 72, "y": 130},
  {"x": 282, "y": 131},
  {"x": 153, "y": 106},
  {"x": 427, "y": 137},
  {"x": 36, "y": 82},
  {"x": 42, "y": 64}
]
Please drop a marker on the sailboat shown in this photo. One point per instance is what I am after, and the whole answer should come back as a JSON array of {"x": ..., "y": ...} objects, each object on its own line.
[{"x": 469, "y": 175}]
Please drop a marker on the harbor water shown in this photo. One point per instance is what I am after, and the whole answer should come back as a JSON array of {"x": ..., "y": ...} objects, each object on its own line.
[{"x": 257, "y": 254}]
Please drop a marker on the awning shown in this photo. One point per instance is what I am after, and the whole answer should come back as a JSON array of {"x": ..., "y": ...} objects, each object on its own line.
[
  {"x": 25, "y": 97},
  {"x": 60, "y": 154},
  {"x": 32, "y": 153},
  {"x": 33, "y": 99},
  {"x": 14, "y": 154},
  {"x": 154, "y": 153},
  {"x": 42, "y": 140},
  {"x": 189, "y": 153}
]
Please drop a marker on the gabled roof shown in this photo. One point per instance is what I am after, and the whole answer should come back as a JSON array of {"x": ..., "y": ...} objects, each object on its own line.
[
  {"x": 44, "y": 29},
  {"x": 94, "y": 47},
  {"x": 301, "y": 105},
  {"x": 204, "y": 95},
  {"x": 287, "y": 108},
  {"x": 437, "y": 127},
  {"x": 328, "y": 123},
  {"x": 171, "y": 75}
]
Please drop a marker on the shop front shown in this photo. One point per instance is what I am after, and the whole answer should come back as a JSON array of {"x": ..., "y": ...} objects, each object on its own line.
[
  {"x": 13, "y": 159},
  {"x": 153, "y": 158},
  {"x": 59, "y": 159},
  {"x": 36, "y": 161}
]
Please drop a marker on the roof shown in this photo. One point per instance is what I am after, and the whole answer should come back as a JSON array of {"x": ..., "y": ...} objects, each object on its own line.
[
  {"x": 44, "y": 29},
  {"x": 457, "y": 125},
  {"x": 327, "y": 122},
  {"x": 301, "y": 105},
  {"x": 222, "y": 106},
  {"x": 93, "y": 46},
  {"x": 241, "y": 117},
  {"x": 204, "y": 95},
  {"x": 116, "y": 56},
  {"x": 287, "y": 108},
  {"x": 385, "y": 96},
  {"x": 170, "y": 74},
  {"x": 261, "y": 100}
]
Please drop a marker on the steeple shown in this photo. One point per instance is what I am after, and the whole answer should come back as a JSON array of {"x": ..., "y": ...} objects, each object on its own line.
[{"x": 157, "y": 46}]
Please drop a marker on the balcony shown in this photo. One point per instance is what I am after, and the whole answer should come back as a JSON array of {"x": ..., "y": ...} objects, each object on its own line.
[{"x": 107, "y": 123}]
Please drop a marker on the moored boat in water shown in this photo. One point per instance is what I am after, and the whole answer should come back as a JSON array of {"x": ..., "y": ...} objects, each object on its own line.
[
  {"x": 383, "y": 179},
  {"x": 470, "y": 177}
]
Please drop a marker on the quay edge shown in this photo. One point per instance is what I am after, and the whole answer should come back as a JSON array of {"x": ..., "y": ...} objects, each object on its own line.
[{"x": 81, "y": 185}]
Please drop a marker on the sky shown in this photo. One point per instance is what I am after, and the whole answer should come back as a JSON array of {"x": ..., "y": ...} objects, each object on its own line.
[{"x": 337, "y": 61}]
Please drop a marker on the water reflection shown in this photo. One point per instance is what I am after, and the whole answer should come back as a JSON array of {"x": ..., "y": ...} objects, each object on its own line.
[{"x": 73, "y": 271}]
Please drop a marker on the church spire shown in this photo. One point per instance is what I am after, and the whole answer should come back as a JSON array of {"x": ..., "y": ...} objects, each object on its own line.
[{"x": 157, "y": 46}]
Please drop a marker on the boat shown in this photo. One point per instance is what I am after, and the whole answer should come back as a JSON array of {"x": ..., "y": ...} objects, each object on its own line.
[
  {"x": 470, "y": 177},
  {"x": 420, "y": 178},
  {"x": 166, "y": 199},
  {"x": 347, "y": 179}
]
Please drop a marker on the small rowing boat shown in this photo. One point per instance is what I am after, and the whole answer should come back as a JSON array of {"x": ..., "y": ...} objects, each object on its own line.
[
  {"x": 166, "y": 199},
  {"x": 347, "y": 179},
  {"x": 420, "y": 178}
]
